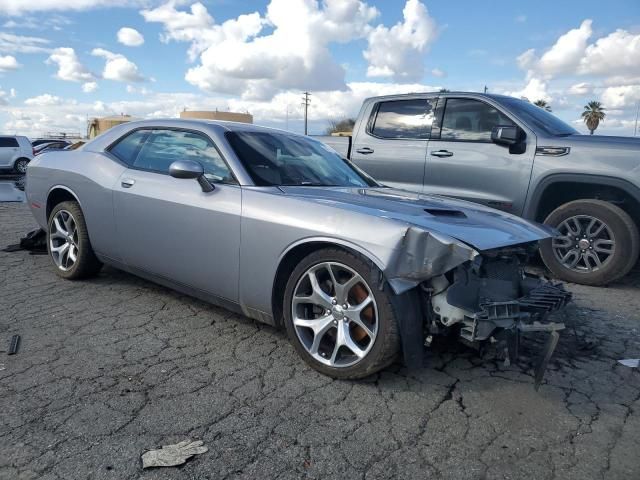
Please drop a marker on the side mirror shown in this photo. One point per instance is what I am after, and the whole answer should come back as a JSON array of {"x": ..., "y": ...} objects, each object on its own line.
[
  {"x": 507, "y": 135},
  {"x": 190, "y": 169}
]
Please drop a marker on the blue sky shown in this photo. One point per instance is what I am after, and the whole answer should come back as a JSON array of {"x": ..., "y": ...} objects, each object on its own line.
[{"x": 60, "y": 66}]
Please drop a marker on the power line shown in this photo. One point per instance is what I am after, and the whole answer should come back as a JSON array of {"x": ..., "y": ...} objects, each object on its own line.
[{"x": 306, "y": 101}]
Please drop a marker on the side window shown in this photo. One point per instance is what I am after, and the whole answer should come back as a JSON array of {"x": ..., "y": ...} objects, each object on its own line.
[
  {"x": 470, "y": 120},
  {"x": 163, "y": 147},
  {"x": 127, "y": 148},
  {"x": 8, "y": 142},
  {"x": 404, "y": 119}
]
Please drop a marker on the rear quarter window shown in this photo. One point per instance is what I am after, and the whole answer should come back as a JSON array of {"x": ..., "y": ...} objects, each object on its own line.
[
  {"x": 6, "y": 142},
  {"x": 128, "y": 147}
]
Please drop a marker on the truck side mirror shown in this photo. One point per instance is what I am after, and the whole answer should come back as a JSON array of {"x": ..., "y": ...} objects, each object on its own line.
[{"x": 507, "y": 135}]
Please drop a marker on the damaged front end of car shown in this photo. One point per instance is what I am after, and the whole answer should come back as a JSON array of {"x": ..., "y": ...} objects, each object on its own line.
[{"x": 486, "y": 298}]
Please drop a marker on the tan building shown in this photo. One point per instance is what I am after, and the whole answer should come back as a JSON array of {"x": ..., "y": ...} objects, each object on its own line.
[
  {"x": 217, "y": 115},
  {"x": 100, "y": 125}
]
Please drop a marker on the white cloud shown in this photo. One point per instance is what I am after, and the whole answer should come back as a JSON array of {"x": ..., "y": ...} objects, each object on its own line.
[
  {"x": 236, "y": 59},
  {"x": 258, "y": 56},
  {"x": 45, "y": 99},
  {"x": 398, "y": 51},
  {"x": 118, "y": 67},
  {"x": 10, "y": 43},
  {"x": 3, "y": 97},
  {"x": 13, "y": 93},
  {"x": 436, "y": 72},
  {"x": 565, "y": 55},
  {"x": 580, "y": 89},
  {"x": 70, "y": 115},
  {"x": 621, "y": 96},
  {"x": 18, "y": 7},
  {"x": 535, "y": 89},
  {"x": 8, "y": 63},
  {"x": 130, "y": 37},
  {"x": 69, "y": 67},
  {"x": 616, "y": 54},
  {"x": 89, "y": 87}
]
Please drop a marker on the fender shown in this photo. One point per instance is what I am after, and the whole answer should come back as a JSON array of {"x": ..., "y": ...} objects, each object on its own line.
[
  {"x": 533, "y": 200},
  {"x": 344, "y": 243}
]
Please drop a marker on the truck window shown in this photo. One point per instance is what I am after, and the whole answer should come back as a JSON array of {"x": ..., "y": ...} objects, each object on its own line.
[
  {"x": 403, "y": 119},
  {"x": 470, "y": 120}
]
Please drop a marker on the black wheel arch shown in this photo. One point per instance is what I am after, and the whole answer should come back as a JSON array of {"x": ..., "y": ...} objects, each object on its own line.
[
  {"x": 552, "y": 191},
  {"x": 59, "y": 194}
]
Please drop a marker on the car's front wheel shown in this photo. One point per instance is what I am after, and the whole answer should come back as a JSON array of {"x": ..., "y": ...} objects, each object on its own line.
[
  {"x": 68, "y": 243},
  {"x": 598, "y": 242},
  {"x": 339, "y": 320}
]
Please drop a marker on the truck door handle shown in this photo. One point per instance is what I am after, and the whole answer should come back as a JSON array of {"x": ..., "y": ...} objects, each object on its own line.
[
  {"x": 365, "y": 150},
  {"x": 127, "y": 182},
  {"x": 442, "y": 153}
]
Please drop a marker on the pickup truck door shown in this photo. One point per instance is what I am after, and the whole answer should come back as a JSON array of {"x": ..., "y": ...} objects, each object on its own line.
[
  {"x": 463, "y": 162},
  {"x": 391, "y": 141}
]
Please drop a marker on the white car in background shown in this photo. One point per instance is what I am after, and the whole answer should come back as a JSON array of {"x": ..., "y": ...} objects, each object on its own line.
[{"x": 15, "y": 153}]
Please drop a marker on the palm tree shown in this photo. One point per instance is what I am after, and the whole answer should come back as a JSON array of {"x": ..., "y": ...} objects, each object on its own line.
[
  {"x": 593, "y": 114},
  {"x": 543, "y": 104}
]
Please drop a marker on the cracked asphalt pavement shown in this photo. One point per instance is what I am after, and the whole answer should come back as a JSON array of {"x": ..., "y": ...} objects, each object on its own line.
[{"x": 116, "y": 365}]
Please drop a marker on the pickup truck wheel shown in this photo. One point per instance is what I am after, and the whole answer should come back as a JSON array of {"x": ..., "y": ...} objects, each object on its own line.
[
  {"x": 598, "y": 242},
  {"x": 338, "y": 319}
]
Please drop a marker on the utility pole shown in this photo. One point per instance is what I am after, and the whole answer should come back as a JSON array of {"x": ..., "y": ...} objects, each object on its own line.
[{"x": 306, "y": 101}]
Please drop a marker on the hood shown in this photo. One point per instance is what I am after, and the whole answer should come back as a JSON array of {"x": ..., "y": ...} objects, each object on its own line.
[
  {"x": 632, "y": 143},
  {"x": 481, "y": 227}
]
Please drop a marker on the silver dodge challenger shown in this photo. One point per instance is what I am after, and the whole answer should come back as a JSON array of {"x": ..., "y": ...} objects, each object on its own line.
[{"x": 280, "y": 228}]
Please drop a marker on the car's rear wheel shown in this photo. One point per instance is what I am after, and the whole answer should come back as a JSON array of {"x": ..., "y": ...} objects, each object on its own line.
[
  {"x": 68, "y": 243},
  {"x": 339, "y": 320},
  {"x": 598, "y": 242},
  {"x": 20, "y": 165}
]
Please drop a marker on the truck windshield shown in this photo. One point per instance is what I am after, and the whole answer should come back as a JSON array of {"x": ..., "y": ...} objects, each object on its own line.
[
  {"x": 538, "y": 117},
  {"x": 274, "y": 159}
]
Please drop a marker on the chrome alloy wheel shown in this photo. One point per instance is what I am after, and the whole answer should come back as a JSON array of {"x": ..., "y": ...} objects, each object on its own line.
[
  {"x": 334, "y": 314},
  {"x": 63, "y": 240},
  {"x": 585, "y": 244}
]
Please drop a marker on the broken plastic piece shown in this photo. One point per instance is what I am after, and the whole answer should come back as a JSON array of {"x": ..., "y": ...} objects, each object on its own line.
[
  {"x": 172, "y": 455},
  {"x": 630, "y": 362},
  {"x": 14, "y": 344}
]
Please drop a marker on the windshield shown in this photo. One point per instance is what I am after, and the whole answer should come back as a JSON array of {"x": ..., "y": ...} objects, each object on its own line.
[
  {"x": 274, "y": 159},
  {"x": 539, "y": 117}
]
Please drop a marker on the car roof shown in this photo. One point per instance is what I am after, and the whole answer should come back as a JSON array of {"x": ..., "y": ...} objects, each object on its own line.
[
  {"x": 221, "y": 125},
  {"x": 495, "y": 96}
]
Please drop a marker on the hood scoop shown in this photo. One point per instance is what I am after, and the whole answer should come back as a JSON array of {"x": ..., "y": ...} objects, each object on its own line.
[{"x": 444, "y": 212}]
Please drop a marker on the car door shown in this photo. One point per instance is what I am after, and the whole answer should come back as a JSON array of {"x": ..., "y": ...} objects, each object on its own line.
[
  {"x": 391, "y": 144},
  {"x": 8, "y": 150},
  {"x": 170, "y": 227},
  {"x": 463, "y": 162}
]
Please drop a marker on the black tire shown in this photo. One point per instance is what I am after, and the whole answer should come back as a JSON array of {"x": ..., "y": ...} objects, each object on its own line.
[
  {"x": 387, "y": 341},
  {"x": 87, "y": 264},
  {"x": 625, "y": 233},
  {"x": 20, "y": 165}
]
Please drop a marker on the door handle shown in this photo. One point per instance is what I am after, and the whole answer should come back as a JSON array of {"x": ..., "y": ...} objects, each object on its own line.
[
  {"x": 442, "y": 153},
  {"x": 365, "y": 150},
  {"x": 127, "y": 182}
]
